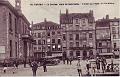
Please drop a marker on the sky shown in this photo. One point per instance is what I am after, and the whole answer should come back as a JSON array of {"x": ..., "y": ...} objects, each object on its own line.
[{"x": 52, "y": 13}]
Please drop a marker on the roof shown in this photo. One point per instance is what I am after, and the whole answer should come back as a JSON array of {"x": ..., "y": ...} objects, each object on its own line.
[
  {"x": 13, "y": 9},
  {"x": 106, "y": 22},
  {"x": 103, "y": 23},
  {"x": 115, "y": 20},
  {"x": 67, "y": 18},
  {"x": 47, "y": 23}
]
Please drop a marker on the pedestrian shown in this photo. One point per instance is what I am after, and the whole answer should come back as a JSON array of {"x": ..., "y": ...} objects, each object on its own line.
[
  {"x": 15, "y": 66},
  {"x": 34, "y": 67},
  {"x": 16, "y": 63},
  {"x": 103, "y": 63},
  {"x": 108, "y": 68},
  {"x": 98, "y": 64},
  {"x": 93, "y": 68},
  {"x": 4, "y": 67},
  {"x": 67, "y": 60},
  {"x": 45, "y": 66},
  {"x": 63, "y": 60},
  {"x": 79, "y": 68},
  {"x": 70, "y": 59},
  {"x": 88, "y": 66},
  {"x": 112, "y": 64}
]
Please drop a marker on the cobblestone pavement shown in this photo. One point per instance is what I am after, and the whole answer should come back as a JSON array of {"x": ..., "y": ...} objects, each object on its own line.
[{"x": 58, "y": 70}]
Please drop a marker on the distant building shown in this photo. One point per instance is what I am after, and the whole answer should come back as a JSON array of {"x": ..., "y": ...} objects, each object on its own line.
[
  {"x": 115, "y": 35},
  {"x": 78, "y": 31},
  {"x": 47, "y": 37},
  {"x": 14, "y": 32},
  {"x": 103, "y": 35}
]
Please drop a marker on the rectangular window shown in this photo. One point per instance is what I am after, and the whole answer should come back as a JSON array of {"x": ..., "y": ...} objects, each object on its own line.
[
  {"x": 100, "y": 50},
  {"x": 70, "y": 37},
  {"x": 100, "y": 44},
  {"x": 35, "y": 48},
  {"x": 43, "y": 41},
  {"x": 84, "y": 36},
  {"x": 49, "y": 48},
  {"x": 48, "y": 34},
  {"x": 35, "y": 42},
  {"x": 10, "y": 22},
  {"x": 77, "y": 44},
  {"x": 16, "y": 49},
  {"x": 11, "y": 48},
  {"x": 113, "y": 30},
  {"x": 39, "y": 42},
  {"x": 90, "y": 35},
  {"x": 77, "y": 53},
  {"x": 77, "y": 27},
  {"x": 53, "y": 47},
  {"x": 53, "y": 40},
  {"x": 15, "y": 25},
  {"x": 77, "y": 37},
  {"x": 59, "y": 41},
  {"x": 53, "y": 33},
  {"x": 39, "y": 48},
  {"x": 39, "y": 35},
  {"x": 115, "y": 45},
  {"x": 64, "y": 37},
  {"x": 48, "y": 40},
  {"x": 71, "y": 44}
]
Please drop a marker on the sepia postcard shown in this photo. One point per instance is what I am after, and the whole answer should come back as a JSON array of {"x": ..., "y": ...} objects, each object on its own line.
[{"x": 59, "y": 38}]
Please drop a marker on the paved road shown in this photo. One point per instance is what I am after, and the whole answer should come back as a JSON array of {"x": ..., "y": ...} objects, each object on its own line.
[{"x": 58, "y": 70}]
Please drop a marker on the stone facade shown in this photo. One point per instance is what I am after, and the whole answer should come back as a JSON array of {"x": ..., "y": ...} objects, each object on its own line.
[
  {"x": 103, "y": 39},
  {"x": 107, "y": 35},
  {"x": 115, "y": 35},
  {"x": 78, "y": 34},
  {"x": 47, "y": 36},
  {"x": 11, "y": 31}
]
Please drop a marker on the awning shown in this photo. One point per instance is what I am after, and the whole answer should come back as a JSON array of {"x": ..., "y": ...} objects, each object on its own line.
[{"x": 106, "y": 54}]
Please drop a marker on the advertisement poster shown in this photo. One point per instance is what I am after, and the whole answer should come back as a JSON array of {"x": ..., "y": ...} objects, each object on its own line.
[{"x": 60, "y": 37}]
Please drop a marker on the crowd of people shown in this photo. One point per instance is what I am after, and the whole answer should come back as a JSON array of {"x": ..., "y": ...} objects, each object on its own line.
[{"x": 100, "y": 63}]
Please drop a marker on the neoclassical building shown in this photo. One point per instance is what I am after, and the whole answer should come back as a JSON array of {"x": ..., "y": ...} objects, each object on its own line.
[
  {"x": 16, "y": 41},
  {"x": 78, "y": 31}
]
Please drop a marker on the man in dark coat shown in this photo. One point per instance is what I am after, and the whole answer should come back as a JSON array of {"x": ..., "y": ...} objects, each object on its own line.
[
  {"x": 5, "y": 67},
  {"x": 104, "y": 63},
  {"x": 44, "y": 66},
  {"x": 98, "y": 64},
  {"x": 34, "y": 67}
]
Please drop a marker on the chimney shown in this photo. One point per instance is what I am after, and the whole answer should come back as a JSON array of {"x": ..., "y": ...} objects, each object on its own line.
[
  {"x": 66, "y": 11},
  {"x": 45, "y": 20},
  {"x": 107, "y": 16},
  {"x": 91, "y": 12},
  {"x": 31, "y": 23},
  {"x": 114, "y": 17}
]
